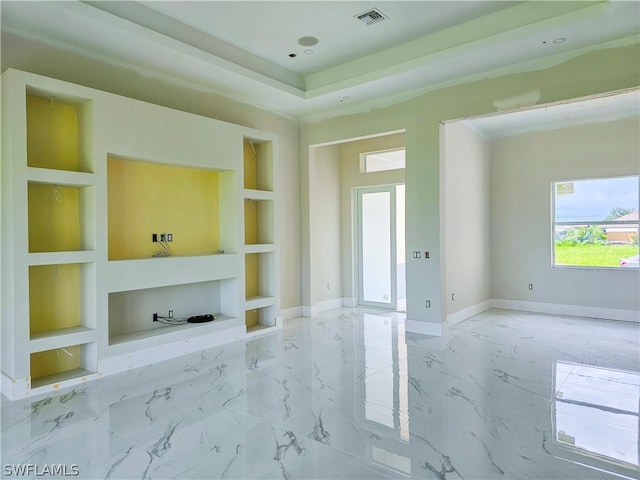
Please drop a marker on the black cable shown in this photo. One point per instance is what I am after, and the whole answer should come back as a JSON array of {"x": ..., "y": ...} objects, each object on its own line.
[{"x": 172, "y": 321}]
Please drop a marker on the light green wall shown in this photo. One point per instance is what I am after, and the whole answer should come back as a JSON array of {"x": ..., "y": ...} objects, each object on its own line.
[
  {"x": 327, "y": 224},
  {"x": 523, "y": 168},
  {"x": 466, "y": 201},
  {"x": 598, "y": 71}
]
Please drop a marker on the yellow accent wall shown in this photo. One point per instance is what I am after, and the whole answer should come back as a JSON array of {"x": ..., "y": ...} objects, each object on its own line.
[
  {"x": 54, "y": 218},
  {"x": 251, "y": 275},
  {"x": 250, "y": 222},
  {"x": 250, "y": 167},
  {"x": 52, "y": 134},
  {"x": 55, "y": 361},
  {"x": 251, "y": 318},
  {"x": 54, "y": 297},
  {"x": 146, "y": 198},
  {"x": 251, "y": 286}
]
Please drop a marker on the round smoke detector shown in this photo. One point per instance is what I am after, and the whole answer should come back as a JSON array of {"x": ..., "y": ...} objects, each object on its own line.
[{"x": 307, "y": 41}]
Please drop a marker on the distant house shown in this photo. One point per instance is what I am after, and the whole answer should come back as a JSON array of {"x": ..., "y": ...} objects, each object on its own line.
[{"x": 623, "y": 234}]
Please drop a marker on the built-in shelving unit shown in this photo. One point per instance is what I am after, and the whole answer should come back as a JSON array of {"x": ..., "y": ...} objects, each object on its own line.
[
  {"x": 84, "y": 188},
  {"x": 53, "y": 262},
  {"x": 261, "y": 295}
]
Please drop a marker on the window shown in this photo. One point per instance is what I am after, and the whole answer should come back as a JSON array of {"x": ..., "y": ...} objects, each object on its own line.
[
  {"x": 595, "y": 222},
  {"x": 383, "y": 160}
]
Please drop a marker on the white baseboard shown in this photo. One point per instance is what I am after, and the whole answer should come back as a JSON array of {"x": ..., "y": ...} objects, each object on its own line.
[
  {"x": 424, "y": 328},
  {"x": 468, "y": 312},
  {"x": 145, "y": 356},
  {"x": 21, "y": 388},
  {"x": 14, "y": 389},
  {"x": 308, "y": 311},
  {"x": 349, "y": 302},
  {"x": 572, "y": 310},
  {"x": 293, "y": 312},
  {"x": 325, "y": 305}
]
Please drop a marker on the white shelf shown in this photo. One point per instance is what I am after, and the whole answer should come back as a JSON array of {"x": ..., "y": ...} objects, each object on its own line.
[
  {"x": 260, "y": 248},
  {"x": 60, "y": 258},
  {"x": 124, "y": 275},
  {"x": 68, "y": 178},
  {"x": 61, "y": 338},
  {"x": 59, "y": 379},
  {"x": 259, "y": 301},
  {"x": 250, "y": 194},
  {"x": 257, "y": 330},
  {"x": 168, "y": 333}
]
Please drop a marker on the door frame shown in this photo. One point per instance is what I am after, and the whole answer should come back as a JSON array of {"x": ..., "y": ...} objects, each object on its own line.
[{"x": 358, "y": 193}]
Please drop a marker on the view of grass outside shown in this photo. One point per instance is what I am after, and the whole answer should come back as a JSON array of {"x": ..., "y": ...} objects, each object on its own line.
[{"x": 594, "y": 255}]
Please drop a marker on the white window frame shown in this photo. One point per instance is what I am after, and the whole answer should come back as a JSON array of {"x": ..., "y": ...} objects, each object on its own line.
[
  {"x": 602, "y": 223},
  {"x": 364, "y": 155}
]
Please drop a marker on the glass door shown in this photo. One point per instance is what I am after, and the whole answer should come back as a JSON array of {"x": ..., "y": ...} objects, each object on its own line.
[{"x": 377, "y": 276}]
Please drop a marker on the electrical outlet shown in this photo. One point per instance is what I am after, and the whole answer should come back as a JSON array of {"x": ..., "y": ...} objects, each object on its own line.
[
  {"x": 428, "y": 304},
  {"x": 453, "y": 296},
  {"x": 169, "y": 237},
  {"x": 170, "y": 313},
  {"x": 531, "y": 286},
  {"x": 155, "y": 317},
  {"x": 416, "y": 254},
  {"x": 154, "y": 237}
]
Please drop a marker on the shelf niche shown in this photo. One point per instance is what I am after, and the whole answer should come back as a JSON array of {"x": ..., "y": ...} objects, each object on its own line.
[
  {"x": 258, "y": 165},
  {"x": 259, "y": 275},
  {"x": 59, "y": 219},
  {"x": 258, "y": 222},
  {"x": 59, "y": 297},
  {"x": 131, "y": 312},
  {"x": 60, "y": 364},
  {"x": 259, "y": 318},
  {"x": 146, "y": 198},
  {"x": 57, "y": 129}
]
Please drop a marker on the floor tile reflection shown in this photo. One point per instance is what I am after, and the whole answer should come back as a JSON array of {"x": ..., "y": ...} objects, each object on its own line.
[{"x": 350, "y": 394}]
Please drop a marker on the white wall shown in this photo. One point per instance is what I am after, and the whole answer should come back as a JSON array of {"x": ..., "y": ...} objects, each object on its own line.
[
  {"x": 523, "y": 168},
  {"x": 465, "y": 179},
  {"x": 327, "y": 196}
]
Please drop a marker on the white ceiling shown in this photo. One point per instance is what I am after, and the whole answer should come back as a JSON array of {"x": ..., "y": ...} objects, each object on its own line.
[
  {"x": 598, "y": 109},
  {"x": 270, "y": 30},
  {"x": 241, "y": 48}
]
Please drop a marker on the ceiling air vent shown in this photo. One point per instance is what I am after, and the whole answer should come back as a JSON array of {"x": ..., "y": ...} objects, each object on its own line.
[{"x": 371, "y": 16}]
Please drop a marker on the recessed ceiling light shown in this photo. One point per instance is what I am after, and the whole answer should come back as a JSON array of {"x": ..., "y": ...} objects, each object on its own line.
[
  {"x": 560, "y": 40},
  {"x": 308, "y": 51},
  {"x": 307, "y": 41}
]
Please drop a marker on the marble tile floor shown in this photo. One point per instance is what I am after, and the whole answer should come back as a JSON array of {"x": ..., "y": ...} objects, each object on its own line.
[{"x": 351, "y": 395}]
